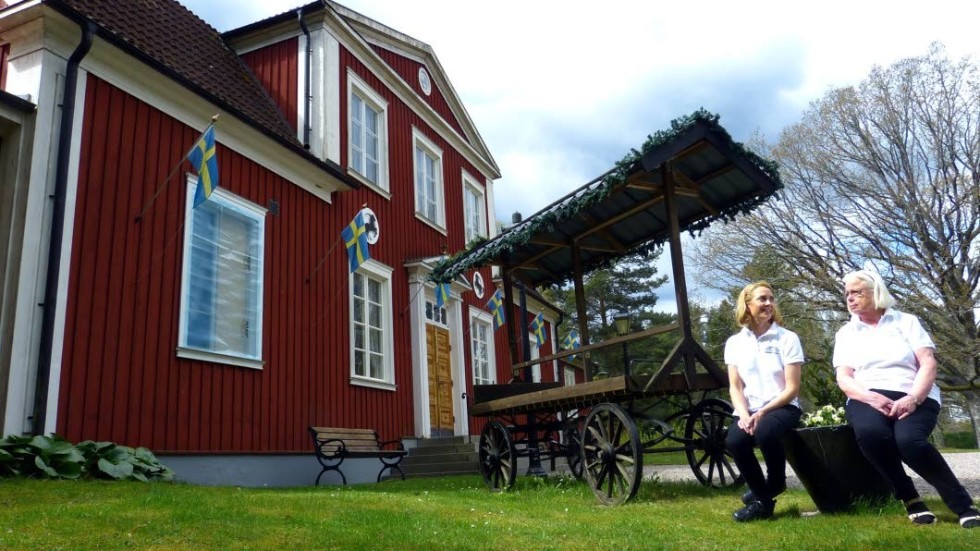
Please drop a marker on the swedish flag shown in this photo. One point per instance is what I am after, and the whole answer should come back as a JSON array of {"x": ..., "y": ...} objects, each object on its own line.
[
  {"x": 537, "y": 327},
  {"x": 496, "y": 307},
  {"x": 571, "y": 342},
  {"x": 442, "y": 294},
  {"x": 355, "y": 239},
  {"x": 205, "y": 162}
]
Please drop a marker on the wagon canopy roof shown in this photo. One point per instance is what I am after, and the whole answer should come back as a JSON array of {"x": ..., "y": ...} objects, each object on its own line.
[{"x": 623, "y": 211}]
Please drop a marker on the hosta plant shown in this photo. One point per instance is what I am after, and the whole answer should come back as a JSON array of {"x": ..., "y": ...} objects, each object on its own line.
[{"x": 55, "y": 457}]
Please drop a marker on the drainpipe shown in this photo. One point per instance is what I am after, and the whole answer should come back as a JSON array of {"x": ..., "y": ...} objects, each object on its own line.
[
  {"x": 57, "y": 228},
  {"x": 307, "y": 99}
]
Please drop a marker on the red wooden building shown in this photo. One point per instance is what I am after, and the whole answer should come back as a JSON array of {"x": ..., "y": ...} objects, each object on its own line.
[{"x": 215, "y": 335}]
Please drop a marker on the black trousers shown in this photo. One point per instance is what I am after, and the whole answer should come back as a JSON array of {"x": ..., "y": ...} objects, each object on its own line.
[
  {"x": 887, "y": 442},
  {"x": 769, "y": 433}
]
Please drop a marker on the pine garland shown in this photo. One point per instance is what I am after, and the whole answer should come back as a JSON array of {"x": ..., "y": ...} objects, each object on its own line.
[{"x": 597, "y": 190}]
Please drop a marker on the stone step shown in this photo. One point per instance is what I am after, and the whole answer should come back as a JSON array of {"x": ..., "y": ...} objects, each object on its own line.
[{"x": 436, "y": 469}]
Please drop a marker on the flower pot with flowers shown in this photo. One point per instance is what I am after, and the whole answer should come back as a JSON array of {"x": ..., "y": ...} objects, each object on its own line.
[{"x": 825, "y": 456}]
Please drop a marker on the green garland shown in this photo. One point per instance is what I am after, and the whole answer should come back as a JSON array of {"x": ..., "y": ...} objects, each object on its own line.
[{"x": 548, "y": 218}]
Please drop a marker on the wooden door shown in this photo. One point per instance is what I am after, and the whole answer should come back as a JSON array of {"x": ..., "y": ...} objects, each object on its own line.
[{"x": 440, "y": 381}]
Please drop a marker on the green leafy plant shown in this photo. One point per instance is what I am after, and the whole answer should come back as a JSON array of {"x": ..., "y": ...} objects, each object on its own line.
[
  {"x": 825, "y": 416},
  {"x": 55, "y": 457}
]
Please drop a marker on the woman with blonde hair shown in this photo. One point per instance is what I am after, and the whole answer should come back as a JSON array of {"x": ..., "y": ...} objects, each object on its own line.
[
  {"x": 886, "y": 366},
  {"x": 765, "y": 363}
]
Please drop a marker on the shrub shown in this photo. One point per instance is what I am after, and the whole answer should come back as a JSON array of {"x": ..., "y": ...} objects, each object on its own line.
[
  {"x": 55, "y": 457},
  {"x": 965, "y": 440}
]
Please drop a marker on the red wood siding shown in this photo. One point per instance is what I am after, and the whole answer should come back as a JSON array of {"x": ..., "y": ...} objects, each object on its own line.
[
  {"x": 414, "y": 238},
  {"x": 408, "y": 69},
  {"x": 121, "y": 380},
  {"x": 277, "y": 68}
]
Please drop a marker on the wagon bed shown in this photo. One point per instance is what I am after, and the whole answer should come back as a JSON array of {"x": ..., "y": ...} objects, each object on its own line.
[{"x": 514, "y": 399}]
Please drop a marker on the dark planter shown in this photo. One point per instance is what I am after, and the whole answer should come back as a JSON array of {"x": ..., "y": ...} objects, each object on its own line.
[{"x": 832, "y": 468}]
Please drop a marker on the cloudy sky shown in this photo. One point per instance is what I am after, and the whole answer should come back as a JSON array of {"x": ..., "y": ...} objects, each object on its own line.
[{"x": 561, "y": 90}]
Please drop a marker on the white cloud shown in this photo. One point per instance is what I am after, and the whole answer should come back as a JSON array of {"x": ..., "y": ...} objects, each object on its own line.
[{"x": 561, "y": 90}]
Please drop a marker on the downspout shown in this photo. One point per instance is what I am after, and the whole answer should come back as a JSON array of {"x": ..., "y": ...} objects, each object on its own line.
[
  {"x": 57, "y": 228},
  {"x": 307, "y": 99}
]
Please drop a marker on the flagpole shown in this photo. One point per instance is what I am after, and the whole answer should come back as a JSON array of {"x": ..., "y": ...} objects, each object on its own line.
[{"x": 149, "y": 203}]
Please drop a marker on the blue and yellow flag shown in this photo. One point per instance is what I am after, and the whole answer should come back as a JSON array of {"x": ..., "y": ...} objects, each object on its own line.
[
  {"x": 571, "y": 342},
  {"x": 496, "y": 307},
  {"x": 537, "y": 327},
  {"x": 355, "y": 239},
  {"x": 205, "y": 162},
  {"x": 442, "y": 294}
]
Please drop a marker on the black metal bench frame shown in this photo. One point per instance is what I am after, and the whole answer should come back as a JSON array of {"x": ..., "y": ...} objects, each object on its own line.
[{"x": 333, "y": 445}]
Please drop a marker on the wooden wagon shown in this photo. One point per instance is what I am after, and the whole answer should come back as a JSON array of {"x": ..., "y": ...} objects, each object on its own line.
[{"x": 682, "y": 179}]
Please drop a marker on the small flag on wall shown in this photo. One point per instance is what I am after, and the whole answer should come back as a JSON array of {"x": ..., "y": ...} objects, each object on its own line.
[
  {"x": 442, "y": 294},
  {"x": 496, "y": 307},
  {"x": 205, "y": 162},
  {"x": 355, "y": 239},
  {"x": 571, "y": 342},
  {"x": 537, "y": 327}
]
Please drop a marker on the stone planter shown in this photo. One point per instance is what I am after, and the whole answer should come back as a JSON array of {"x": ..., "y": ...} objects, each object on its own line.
[{"x": 832, "y": 468}]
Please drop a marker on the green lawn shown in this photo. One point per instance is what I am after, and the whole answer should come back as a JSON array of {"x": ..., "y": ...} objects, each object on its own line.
[{"x": 433, "y": 514}]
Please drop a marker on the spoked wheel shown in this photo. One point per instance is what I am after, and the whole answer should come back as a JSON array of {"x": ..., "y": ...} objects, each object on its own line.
[
  {"x": 573, "y": 444},
  {"x": 709, "y": 458},
  {"x": 613, "y": 460},
  {"x": 498, "y": 459}
]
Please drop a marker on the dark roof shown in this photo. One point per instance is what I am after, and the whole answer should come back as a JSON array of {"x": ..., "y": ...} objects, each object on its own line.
[
  {"x": 170, "y": 38},
  {"x": 623, "y": 213}
]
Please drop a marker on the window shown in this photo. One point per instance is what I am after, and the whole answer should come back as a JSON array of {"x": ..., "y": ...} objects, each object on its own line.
[
  {"x": 484, "y": 372},
  {"x": 474, "y": 209},
  {"x": 372, "y": 362},
  {"x": 221, "y": 286},
  {"x": 436, "y": 314},
  {"x": 368, "y": 133},
  {"x": 428, "y": 180}
]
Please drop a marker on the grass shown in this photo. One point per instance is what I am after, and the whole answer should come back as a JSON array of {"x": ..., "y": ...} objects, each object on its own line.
[{"x": 435, "y": 514}]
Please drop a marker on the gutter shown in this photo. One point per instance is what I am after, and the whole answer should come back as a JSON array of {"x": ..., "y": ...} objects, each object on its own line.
[
  {"x": 58, "y": 228},
  {"x": 307, "y": 98}
]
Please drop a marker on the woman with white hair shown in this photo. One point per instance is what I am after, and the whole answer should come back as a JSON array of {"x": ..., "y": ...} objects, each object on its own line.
[{"x": 886, "y": 366}]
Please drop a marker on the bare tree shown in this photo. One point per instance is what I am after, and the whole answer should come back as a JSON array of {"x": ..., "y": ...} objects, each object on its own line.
[{"x": 888, "y": 171}]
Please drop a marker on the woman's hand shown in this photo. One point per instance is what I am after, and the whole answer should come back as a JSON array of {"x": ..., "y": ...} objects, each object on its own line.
[
  {"x": 903, "y": 407},
  {"x": 749, "y": 424},
  {"x": 880, "y": 402}
]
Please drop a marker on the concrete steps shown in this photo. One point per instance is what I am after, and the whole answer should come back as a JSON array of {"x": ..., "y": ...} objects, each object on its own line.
[{"x": 441, "y": 457}]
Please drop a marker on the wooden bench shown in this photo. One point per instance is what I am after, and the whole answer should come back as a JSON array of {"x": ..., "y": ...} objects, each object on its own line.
[{"x": 332, "y": 446}]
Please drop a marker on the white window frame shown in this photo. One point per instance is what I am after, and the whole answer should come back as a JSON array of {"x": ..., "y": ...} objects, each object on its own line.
[
  {"x": 483, "y": 318},
  {"x": 250, "y": 210},
  {"x": 422, "y": 144},
  {"x": 372, "y": 269},
  {"x": 473, "y": 229},
  {"x": 369, "y": 99}
]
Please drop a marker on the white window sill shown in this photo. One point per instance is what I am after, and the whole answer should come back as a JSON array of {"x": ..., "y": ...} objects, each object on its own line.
[
  {"x": 428, "y": 222},
  {"x": 372, "y": 383},
  {"x": 214, "y": 357},
  {"x": 368, "y": 183}
]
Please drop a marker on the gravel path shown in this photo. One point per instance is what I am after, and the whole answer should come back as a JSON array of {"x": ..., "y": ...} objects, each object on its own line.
[{"x": 965, "y": 465}]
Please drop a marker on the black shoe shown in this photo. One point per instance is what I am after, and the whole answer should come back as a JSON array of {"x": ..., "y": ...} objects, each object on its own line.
[
  {"x": 755, "y": 510},
  {"x": 749, "y": 496},
  {"x": 919, "y": 513},
  {"x": 970, "y": 519}
]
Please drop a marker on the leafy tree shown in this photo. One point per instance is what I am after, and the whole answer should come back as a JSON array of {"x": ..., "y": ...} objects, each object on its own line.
[{"x": 889, "y": 172}]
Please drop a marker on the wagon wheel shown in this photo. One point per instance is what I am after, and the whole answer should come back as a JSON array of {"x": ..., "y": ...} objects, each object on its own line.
[
  {"x": 611, "y": 453},
  {"x": 709, "y": 458},
  {"x": 573, "y": 445},
  {"x": 498, "y": 459}
]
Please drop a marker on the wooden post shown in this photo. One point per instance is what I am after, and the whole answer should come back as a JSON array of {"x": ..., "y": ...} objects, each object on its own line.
[{"x": 582, "y": 315}]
